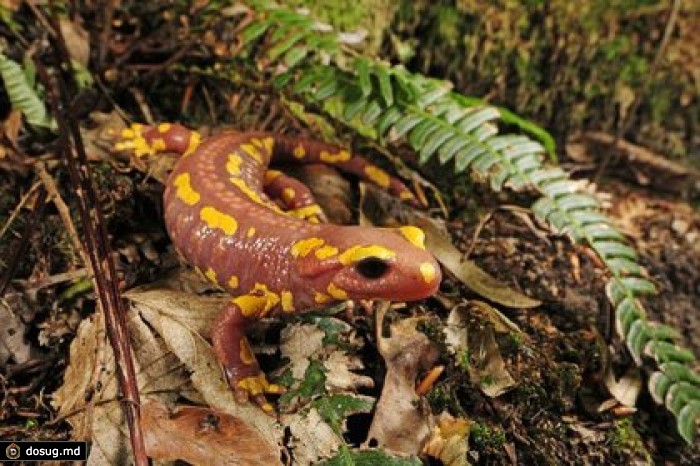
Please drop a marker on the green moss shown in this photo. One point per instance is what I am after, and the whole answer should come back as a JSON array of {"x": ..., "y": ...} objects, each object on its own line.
[
  {"x": 486, "y": 438},
  {"x": 627, "y": 440}
]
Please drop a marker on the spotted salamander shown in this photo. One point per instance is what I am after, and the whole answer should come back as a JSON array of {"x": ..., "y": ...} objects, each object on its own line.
[{"x": 257, "y": 233}]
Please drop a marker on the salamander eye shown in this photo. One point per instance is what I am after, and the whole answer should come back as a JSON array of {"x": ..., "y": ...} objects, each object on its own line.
[{"x": 372, "y": 267}]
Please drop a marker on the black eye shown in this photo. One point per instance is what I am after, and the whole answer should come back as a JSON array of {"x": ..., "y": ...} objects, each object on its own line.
[{"x": 372, "y": 267}]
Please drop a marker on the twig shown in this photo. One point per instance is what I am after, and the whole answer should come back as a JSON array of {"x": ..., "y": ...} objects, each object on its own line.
[
  {"x": 18, "y": 208},
  {"x": 60, "y": 87}
]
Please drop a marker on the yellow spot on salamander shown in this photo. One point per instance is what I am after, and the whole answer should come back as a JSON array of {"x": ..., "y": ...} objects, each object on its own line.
[
  {"x": 414, "y": 235},
  {"x": 357, "y": 253},
  {"x": 406, "y": 195},
  {"x": 272, "y": 175},
  {"x": 306, "y": 212},
  {"x": 245, "y": 353},
  {"x": 233, "y": 282},
  {"x": 336, "y": 292},
  {"x": 271, "y": 298},
  {"x": 267, "y": 144},
  {"x": 233, "y": 164},
  {"x": 193, "y": 143},
  {"x": 303, "y": 247},
  {"x": 250, "y": 192},
  {"x": 427, "y": 270},
  {"x": 216, "y": 219},
  {"x": 299, "y": 152},
  {"x": 164, "y": 127},
  {"x": 377, "y": 175},
  {"x": 253, "y": 151},
  {"x": 185, "y": 192},
  {"x": 158, "y": 145},
  {"x": 250, "y": 305},
  {"x": 288, "y": 195},
  {"x": 326, "y": 252},
  {"x": 321, "y": 298},
  {"x": 211, "y": 275},
  {"x": 258, "y": 384},
  {"x": 342, "y": 156},
  {"x": 251, "y": 232},
  {"x": 287, "y": 301}
]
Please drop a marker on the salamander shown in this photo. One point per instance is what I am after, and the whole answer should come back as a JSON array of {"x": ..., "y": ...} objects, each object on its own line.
[{"x": 275, "y": 257}]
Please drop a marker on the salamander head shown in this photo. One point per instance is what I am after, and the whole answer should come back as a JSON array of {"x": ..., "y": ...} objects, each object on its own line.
[{"x": 369, "y": 263}]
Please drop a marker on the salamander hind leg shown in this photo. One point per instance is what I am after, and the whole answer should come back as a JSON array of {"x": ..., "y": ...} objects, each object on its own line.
[
  {"x": 234, "y": 353},
  {"x": 146, "y": 140}
]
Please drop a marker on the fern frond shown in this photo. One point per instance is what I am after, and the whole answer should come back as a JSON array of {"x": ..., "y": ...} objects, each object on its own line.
[{"x": 392, "y": 104}]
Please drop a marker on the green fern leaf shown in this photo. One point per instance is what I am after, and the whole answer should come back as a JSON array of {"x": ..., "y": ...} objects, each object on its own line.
[
  {"x": 434, "y": 141},
  {"x": 665, "y": 352},
  {"x": 362, "y": 69},
  {"x": 687, "y": 421},
  {"x": 451, "y": 147},
  {"x": 389, "y": 117},
  {"x": 407, "y": 123},
  {"x": 385, "y": 89}
]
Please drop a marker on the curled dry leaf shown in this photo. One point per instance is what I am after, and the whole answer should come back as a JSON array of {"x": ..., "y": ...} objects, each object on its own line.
[
  {"x": 402, "y": 422},
  {"x": 449, "y": 441},
  {"x": 202, "y": 436},
  {"x": 626, "y": 389},
  {"x": 380, "y": 208}
]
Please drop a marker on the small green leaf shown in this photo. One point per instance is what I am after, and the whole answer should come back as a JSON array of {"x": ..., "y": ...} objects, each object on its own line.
[
  {"x": 465, "y": 156},
  {"x": 477, "y": 118},
  {"x": 388, "y": 118},
  {"x": 450, "y": 148},
  {"x": 638, "y": 285},
  {"x": 421, "y": 132},
  {"x": 385, "y": 89},
  {"x": 434, "y": 141},
  {"x": 623, "y": 266},
  {"x": 577, "y": 201},
  {"x": 626, "y": 313},
  {"x": 346, "y": 457},
  {"x": 544, "y": 175},
  {"x": 294, "y": 56},
  {"x": 334, "y": 409},
  {"x": 362, "y": 69},
  {"x": 406, "y": 123},
  {"x": 275, "y": 52},
  {"x": 609, "y": 249},
  {"x": 253, "y": 31},
  {"x": 687, "y": 421}
]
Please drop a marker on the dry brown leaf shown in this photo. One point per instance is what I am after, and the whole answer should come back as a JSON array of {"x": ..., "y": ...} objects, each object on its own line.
[
  {"x": 340, "y": 376},
  {"x": 311, "y": 437},
  {"x": 402, "y": 421},
  {"x": 299, "y": 343},
  {"x": 202, "y": 436},
  {"x": 626, "y": 389},
  {"x": 175, "y": 362},
  {"x": 449, "y": 441},
  {"x": 77, "y": 40}
]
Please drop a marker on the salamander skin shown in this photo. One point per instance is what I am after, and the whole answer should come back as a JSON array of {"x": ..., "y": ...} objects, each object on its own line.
[{"x": 222, "y": 221}]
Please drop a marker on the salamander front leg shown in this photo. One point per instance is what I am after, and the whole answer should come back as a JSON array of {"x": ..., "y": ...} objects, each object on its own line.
[{"x": 233, "y": 351}]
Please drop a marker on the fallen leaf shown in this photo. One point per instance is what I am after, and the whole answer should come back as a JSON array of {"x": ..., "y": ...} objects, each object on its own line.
[
  {"x": 202, "y": 436},
  {"x": 76, "y": 39},
  {"x": 449, "y": 441},
  {"x": 311, "y": 438},
  {"x": 402, "y": 421},
  {"x": 626, "y": 389}
]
